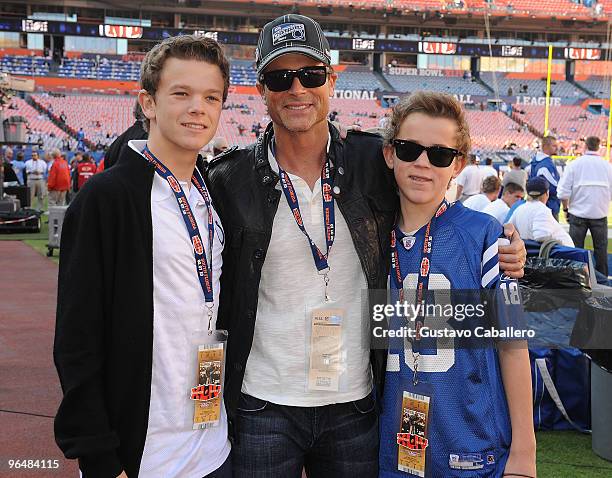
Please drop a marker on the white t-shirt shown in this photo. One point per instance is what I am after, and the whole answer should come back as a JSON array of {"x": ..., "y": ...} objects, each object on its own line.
[
  {"x": 498, "y": 209},
  {"x": 535, "y": 221},
  {"x": 35, "y": 169},
  {"x": 471, "y": 179},
  {"x": 587, "y": 183},
  {"x": 477, "y": 202},
  {"x": 172, "y": 448},
  {"x": 487, "y": 171},
  {"x": 277, "y": 367}
]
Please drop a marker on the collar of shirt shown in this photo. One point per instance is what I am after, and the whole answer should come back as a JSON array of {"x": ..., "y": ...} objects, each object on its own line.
[
  {"x": 591, "y": 153},
  {"x": 161, "y": 189},
  {"x": 540, "y": 156},
  {"x": 274, "y": 165}
]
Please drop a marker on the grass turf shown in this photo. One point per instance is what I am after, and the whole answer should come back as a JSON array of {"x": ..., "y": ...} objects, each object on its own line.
[{"x": 568, "y": 454}]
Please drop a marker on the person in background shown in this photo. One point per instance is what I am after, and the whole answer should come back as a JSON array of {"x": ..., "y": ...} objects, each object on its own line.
[
  {"x": 85, "y": 169},
  {"x": 585, "y": 190},
  {"x": 58, "y": 182},
  {"x": 500, "y": 207},
  {"x": 36, "y": 170},
  {"x": 543, "y": 165},
  {"x": 469, "y": 180},
  {"x": 19, "y": 167},
  {"x": 534, "y": 220},
  {"x": 10, "y": 176},
  {"x": 488, "y": 169},
  {"x": 489, "y": 192},
  {"x": 515, "y": 174},
  {"x": 80, "y": 137},
  {"x": 136, "y": 131}
]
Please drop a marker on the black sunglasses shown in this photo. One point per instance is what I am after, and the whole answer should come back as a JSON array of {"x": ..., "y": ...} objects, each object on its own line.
[
  {"x": 281, "y": 80},
  {"x": 439, "y": 156}
]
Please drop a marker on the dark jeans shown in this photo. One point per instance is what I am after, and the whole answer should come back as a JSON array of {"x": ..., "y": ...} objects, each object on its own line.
[
  {"x": 224, "y": 471},
  {"x": 332, "y": 441},
  {"x": 599, "y": 233}
]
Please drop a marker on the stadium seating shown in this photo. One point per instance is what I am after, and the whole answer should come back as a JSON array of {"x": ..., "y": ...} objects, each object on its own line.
[
  {"x": 40, "y": 126},
  {"x": 598, "y": 85},
  {"x": 106, "y": 69},
  {"x": 356, "y": 78},
  {"x": 24, "y": 65},
  {"x": 242, "y": 73},
  {"x": 452, "y": 85},
  {"x": 562, "y": 89},
  {"x": 113, "y": 113},
  {"x": 566, "y": 122}
]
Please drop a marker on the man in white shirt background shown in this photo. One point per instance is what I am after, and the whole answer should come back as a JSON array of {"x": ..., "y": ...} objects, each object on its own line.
[
  {"x": 488, "y": 169},
  {"x": 36, "y": 169},
  {"x": 585, "y": 190},
  {"x": 534, "y": 220},
  {"x": 490, "y": 190},
  {"x": 469, "y": 180},
  {"x": 500, "y": 207}
]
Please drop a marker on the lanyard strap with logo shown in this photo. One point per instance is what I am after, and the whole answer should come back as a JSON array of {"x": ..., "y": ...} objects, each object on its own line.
[
  {"x": 325, "y": 344},
  {"x": 210, "y": 369},
  {"x": 413, "y": 437},
  {"x": 422, "y": 282},
  {"x": 320, "y": 259}
]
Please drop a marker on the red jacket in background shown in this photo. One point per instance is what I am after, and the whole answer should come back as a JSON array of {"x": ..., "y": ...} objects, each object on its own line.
[
  {"x": 59, "y": 175},
  {"x": 85, "y": 170},
  {"x": 100, "y": 166}
]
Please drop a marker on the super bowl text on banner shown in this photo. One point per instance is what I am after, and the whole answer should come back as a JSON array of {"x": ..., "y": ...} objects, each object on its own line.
[
  {"x": 412, "y": 438},
  {"x": 207, "y": 394},
  {"x": 325, "y": 349}
]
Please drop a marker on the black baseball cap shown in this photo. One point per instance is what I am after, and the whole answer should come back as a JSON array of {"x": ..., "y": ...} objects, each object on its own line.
[
  {"x": 537, "y": 186},
  {"x": 291, "y": 34}
]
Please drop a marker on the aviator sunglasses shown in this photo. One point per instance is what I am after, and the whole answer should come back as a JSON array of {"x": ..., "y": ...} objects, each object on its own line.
[
  {"x": 439, "y": 156},
  {"x": 281, "y": 80}
]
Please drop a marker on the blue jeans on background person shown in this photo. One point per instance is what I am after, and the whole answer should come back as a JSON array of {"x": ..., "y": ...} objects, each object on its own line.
[{"x": 331, "y": 441}]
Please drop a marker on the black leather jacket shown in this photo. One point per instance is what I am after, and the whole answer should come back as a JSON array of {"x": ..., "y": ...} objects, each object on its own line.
[{"x": 242, "y": 185}]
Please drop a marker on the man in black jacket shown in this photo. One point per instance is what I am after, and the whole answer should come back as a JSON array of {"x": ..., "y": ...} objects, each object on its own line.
[
  {"x": 136, "y": 131},
  {"x": 307, "y": 218}
]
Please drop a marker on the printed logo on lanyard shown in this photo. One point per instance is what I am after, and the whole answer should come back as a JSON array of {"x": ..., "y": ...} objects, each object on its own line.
[
  {"x": 425, "y": 265},
  {"x": 320, "y": 259},
  {"x": 203, "y": 266}
]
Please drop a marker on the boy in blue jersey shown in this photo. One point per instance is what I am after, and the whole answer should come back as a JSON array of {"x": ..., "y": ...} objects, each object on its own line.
[{"x": 448, "y": 411}]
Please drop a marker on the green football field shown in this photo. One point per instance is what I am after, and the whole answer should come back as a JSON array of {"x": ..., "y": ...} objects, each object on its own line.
[
  {"x": 569, "y": 454},
  {"x": 560, "y": 454}
]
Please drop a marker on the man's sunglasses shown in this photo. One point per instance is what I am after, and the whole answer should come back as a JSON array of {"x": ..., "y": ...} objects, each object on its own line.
[
  {"x": 281, "y": 80},
  {"x": 410, "y": 151}
]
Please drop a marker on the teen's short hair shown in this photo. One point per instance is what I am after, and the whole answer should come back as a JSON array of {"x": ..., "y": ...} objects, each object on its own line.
[
  {"x": 183, "y": 47},
  {"x": 490, "y": 184},
  {"x": 592, "y": 143},
  {"x": 513, "y": 188},
  {"x": 517, "y": 161},
  {"x": 436, "y": 105}
]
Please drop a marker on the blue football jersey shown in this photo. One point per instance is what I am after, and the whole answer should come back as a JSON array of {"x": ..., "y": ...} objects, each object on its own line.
[{"x": 469, "y": 431}]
